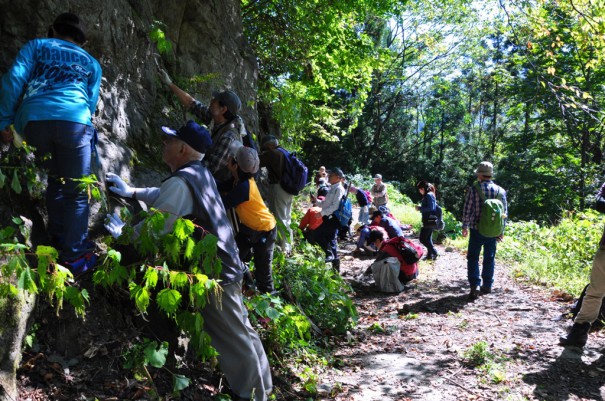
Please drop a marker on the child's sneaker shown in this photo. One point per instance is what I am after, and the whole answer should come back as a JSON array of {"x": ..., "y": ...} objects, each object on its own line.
[{"x": 82, "y": 264}]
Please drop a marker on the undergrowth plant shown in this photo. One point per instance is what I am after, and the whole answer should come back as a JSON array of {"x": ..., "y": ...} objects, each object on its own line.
[
  {"x": 480, "y": 357},
  {"x": 558, "y": 256},
  {"x": 318, "y": 289}
]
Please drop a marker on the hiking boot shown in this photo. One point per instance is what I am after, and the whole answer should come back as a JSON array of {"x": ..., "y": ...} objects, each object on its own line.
[
  {"x": 336, "y": 265},
  {"x": 485, "y": 290},
  {"x": 577, "y": 336},
  {"x": 83, "y": 264},
  {"x": 474, "y": 294}
]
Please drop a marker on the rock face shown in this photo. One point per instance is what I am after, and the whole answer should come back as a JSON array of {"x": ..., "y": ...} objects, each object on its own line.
[{"x": 208, "y": 42}]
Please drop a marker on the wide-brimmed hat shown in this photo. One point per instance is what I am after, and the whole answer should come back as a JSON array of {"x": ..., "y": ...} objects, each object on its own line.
[
  {"x": 193, "y": 135},
  {"x": 485, "y": 169}
]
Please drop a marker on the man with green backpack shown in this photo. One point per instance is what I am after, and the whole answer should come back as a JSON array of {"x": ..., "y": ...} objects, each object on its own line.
[{"x": 485, "y": 212}]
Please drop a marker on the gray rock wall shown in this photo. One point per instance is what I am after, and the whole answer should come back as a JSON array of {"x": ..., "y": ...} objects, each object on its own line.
[{"x": 208, "y": 42}]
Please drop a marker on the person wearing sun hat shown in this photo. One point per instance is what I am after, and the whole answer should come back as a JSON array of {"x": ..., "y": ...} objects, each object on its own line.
[
  {"x": 379, "y": 192},
  {"x": 481, "y": 283},
  {"x": 191, "y": 191},
  {"x": 49, "y": 95},
  {"x": 257, "y": 232}
]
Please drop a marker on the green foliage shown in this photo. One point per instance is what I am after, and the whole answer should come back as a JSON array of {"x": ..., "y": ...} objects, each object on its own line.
[
  {"x": 157, "y": 36},
  {"x": 321, "y": 293},
  {"x": 491, "y": 365},
  {"x": 178, "y": 272},
  {"x": 283, "y": 325},
  {"x": 18, "y": 168},
  {"x": 46, "y": 277},
  {"x": 558, "y": 256}
]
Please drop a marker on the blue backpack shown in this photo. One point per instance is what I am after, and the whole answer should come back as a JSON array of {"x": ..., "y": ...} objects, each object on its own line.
[
  {"x": 294, "y": 176},
  {"x": 344, "y": 213}
]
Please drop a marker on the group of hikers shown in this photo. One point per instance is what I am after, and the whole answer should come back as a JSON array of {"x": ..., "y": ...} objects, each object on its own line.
[{"x": 49, "y": 96}]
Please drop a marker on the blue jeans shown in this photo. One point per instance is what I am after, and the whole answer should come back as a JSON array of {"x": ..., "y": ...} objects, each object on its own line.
[
  {"x": 69, "y": 146},
  {"x": 364, "y": 215},
  {"x": 475, "y": 242},
  {"x": 326, "y": 236}
]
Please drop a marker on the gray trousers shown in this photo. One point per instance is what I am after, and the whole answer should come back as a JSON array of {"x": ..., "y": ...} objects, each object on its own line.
[
  {"x": 589, "y": 312},
  {"x": 280, "y": 204},
  {"x": 241, "y": 355}
]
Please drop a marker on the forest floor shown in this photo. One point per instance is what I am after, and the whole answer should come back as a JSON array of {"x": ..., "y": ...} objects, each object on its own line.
[{"x": 407, "y": 346}]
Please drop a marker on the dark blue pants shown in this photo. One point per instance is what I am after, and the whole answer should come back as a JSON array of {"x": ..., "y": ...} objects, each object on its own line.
[
  {"x": 64, "y": 149},
  {"x": 259, "y": 244},
  {"x": 426, "y": 239},
  {"x": 477, "y": 241},
  {"x": 325, "y": 236}
]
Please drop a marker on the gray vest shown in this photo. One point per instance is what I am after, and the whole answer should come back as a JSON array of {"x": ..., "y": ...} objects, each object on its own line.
[{"x": 209, "y": 213}]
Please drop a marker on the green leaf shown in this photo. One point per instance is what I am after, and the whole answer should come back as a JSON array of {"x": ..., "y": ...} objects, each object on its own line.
[
  {"x": 2, "y": 179},
  {"x": 140, "y": 296},
  {"x": 26, "y": 282},
  {"x": 180, "y": 382},
  {"x": 169, "y": 300},
  {"x": 272, "y": 313},
  {"x": 151, "y": 277},
  {"x": 178, "y": 279},
  {"x": 156, "y": 355},
  {"x": 15, "y": 184}
]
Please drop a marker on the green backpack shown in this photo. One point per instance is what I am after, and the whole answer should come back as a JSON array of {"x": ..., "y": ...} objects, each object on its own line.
[{"x": 491, "y": 221}]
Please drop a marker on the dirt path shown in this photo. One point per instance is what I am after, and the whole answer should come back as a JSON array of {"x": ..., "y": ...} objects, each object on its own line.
[{"x": 410, "y": 346}]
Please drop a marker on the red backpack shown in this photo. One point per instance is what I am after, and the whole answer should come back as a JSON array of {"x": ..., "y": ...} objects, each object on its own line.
[{"x": 368, "y": 196}]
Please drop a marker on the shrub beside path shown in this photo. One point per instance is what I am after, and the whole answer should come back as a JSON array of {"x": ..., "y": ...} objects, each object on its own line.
[{"x": 431, "y": 343}]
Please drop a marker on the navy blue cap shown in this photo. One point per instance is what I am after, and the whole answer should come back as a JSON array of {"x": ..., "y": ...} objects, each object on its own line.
[{"x": 193, "y": 135}]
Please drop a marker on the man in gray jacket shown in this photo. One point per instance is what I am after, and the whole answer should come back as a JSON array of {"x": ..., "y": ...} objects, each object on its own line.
[{"x": 191, "y": 191}]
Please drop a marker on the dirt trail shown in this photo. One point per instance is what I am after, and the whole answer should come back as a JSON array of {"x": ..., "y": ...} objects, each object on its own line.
[{"x": 410, "y": 346}]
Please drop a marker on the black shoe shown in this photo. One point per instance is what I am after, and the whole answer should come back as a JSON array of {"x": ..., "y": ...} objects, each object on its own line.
[
  {"x": 485, "y": 290},
  {"x": 474, "y": 294},
  {"x": 577, "y": 337}
]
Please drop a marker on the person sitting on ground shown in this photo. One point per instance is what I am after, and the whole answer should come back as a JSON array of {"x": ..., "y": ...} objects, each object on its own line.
[
  {"x": 311, "y": 222},
  {"x": 390, "y": 248},
  {"x": 392, "y": 227},
  {"x": 364, "y": 247},
  {"x": 257, "y": 230},
  {"x": 191, "y": 191},
  {"x": 319, "y": 174}
]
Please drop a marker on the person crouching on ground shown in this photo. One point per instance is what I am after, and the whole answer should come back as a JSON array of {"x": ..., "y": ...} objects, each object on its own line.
[{"x": 390, "y": 248}]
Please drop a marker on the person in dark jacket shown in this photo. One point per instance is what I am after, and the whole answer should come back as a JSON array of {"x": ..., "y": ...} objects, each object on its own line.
[
  {"x": 428, "y": 208},
  {"x": 363, "y": 202}
]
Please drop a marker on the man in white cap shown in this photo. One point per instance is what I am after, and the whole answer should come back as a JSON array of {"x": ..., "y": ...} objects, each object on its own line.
[
  {"x": 379, "y": 192},
  {"x": 192, "y": 191},
  {"x": 470, "y": 220}
]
